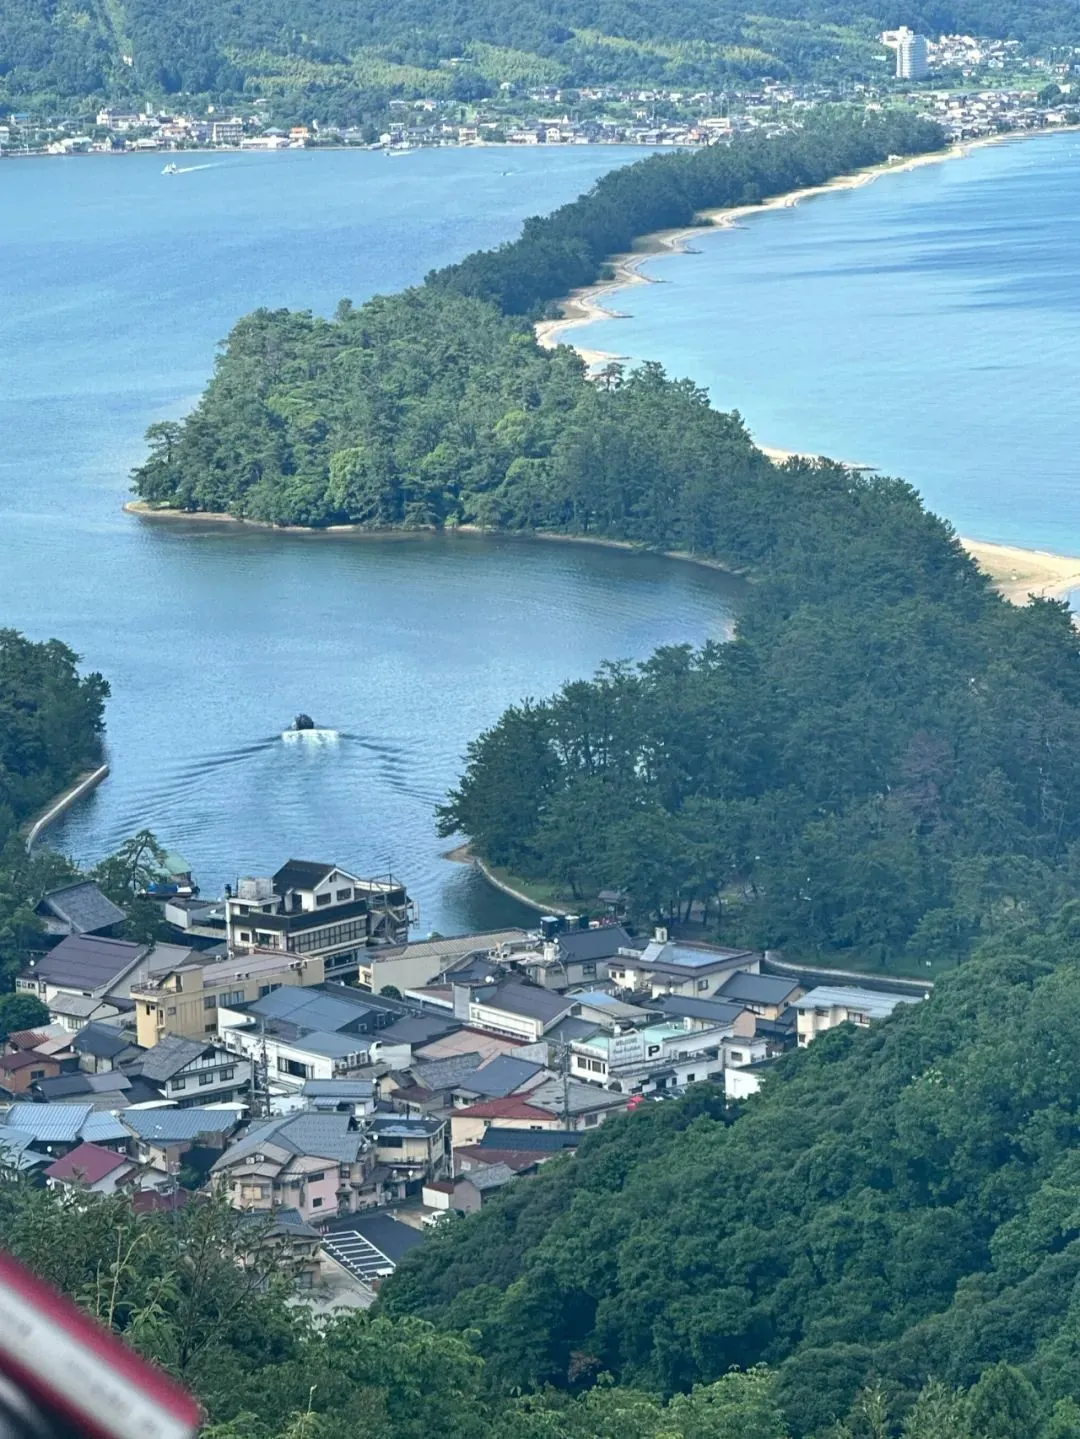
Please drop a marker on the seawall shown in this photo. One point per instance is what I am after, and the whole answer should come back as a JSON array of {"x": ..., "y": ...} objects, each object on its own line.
[{"x": 83, "y": 785}]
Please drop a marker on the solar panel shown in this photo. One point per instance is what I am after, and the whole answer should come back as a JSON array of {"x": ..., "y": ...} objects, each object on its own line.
[{"x": 358, "y": 1255}]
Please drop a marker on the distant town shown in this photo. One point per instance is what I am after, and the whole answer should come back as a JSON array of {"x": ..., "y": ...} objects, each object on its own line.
[
  {"x": 975, "y": 88},
  {"x": 289, "y": 1047}
]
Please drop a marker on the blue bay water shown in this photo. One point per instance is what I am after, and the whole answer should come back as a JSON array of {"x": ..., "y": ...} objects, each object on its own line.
[
  {"x": 927, "y": 324},
  {"x": 115, "y": 285}
]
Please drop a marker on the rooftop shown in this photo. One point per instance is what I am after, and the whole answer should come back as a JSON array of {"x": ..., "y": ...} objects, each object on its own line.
[
  {"x": 759, "y": 988},
  {"x": 720, "y": 1011},
  {"x": 169, "y": 1056},
  {"x": 87, "y": 962},
  {"x": 301, "y": 874},
  {"x": 671, "y": 958},
  {"x": 874, "y": 1004},
  {"x": 529, "y": 1001},
  {"x": 103, "y": 1041},
  {"x": 576, "y": 945},
  {"x": 312, "y": 1008},
  {"x": 83, "y": 907},
  {"x": 514, "y": 1107},
  {"x": 524, "y": 1141},
  {"x": 88, "y": 1163},
  {"x": 501, "y": 1076},
  {"x": 343, "y": 1089},
  {"x": 174, "y": 1126},
  {"x": 325, "y": 1136}
]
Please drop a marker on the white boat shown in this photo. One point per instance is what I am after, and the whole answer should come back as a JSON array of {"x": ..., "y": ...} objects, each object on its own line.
[{"x": 171, "y": 169}]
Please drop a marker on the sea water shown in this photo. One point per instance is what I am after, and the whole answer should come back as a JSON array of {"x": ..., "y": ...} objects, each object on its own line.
[
  {"x": 927, "y": 324},
  {"x": 115, "y": 284}
]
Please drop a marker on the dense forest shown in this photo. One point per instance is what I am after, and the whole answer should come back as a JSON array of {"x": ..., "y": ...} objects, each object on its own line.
[
  {"x": 436, "y": 406},
  {"x": 897, "y": 1206},
  {"x": 204, "y": 1292},
  {"x": 337, "y": 60}
]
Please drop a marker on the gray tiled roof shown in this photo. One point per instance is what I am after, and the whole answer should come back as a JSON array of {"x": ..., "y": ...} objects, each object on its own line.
[
  {"x": 325, "y": 1136},
  {"x": 550, "y": 1140},
  {"x": 719, "y": 1011},
  {"x": 343, "y": 1089},
  {"x": 758, "y": 988},
  {"x": 49, "y": 1123},
  {"x": 532, "y": 1002},
  {"x": 501, "y": 1076},
  {"x": 169, "y": 1056},
  {"x": 173, "y": 1126},
  {"x": 83, "y": 907},
  {"x": 447, "y": 1073},
  {"x": 86, "y": 961},
  {"x": 601, "y": 943},
  {"x": 103, "y": 1041},
  {"x": 312, "y": 1008},
  {"x": 489, "y": 1176}
]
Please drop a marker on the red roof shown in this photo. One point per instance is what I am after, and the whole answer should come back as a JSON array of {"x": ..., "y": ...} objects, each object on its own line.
[
  {"x": 513, "y": 1107},
  {"x": 153, "y": 1201},
  {"x": 25, "y": 1057},
  {"x": 26, "y": 1038},
  {"x": 88, "y": 1163}
]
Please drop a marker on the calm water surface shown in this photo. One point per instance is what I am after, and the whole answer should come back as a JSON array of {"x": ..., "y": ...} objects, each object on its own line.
[
  {"x": 927, "y": 324},
  {"x": 115, "y": 285}
]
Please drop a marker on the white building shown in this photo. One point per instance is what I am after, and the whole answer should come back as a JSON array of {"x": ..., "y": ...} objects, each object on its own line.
[
  {"x": 912, "y": 55},
  {"x": 829, "y": 1005}
]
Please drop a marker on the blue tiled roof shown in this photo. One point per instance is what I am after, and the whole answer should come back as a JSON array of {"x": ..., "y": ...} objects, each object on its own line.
[
  {"x": 171, "y": 1126},
  {"x": 49, "y": 1123}
]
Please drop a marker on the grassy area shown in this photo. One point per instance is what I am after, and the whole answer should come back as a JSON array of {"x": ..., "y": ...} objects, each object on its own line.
[{"x": 542, "y": 893}]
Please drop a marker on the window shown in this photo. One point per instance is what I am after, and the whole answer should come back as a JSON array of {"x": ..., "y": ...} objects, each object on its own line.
[
  {"x": 171, "y": 1009},
  {"x": 175, "y": 1084},
  {"x": 737, "y": 1057},
  {"x": 322, "y": 899},
  {"x": 702, "y": 984},
  {"x": 588, "y": 968},
  {"x": 314, "y": 1178},
  {"x": 316, "y": 1204},
  {"x": 245, "y": 936},
  {"x": 591, "y": 1119},
  {"x": 210, "y": 1002},
  {"x": 207, "y": 1077},
  {"x": 265, "y": 938},
  {"x": 234, "y": 996},
  {"x": 149, "y": 1009},
  {"x": 690, "y": 1078},
  {"x": 331, "y": 934},
  {"x": 343, "y": 896},
  {"x": 290, "y": 1066},
  {"x": 265, "y": 989},
  {"x": 37, "y": 1074},
  {"x": 228, "y": 1073}
]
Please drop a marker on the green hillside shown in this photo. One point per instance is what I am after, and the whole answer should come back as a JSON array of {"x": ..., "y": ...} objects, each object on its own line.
[{"x": 339, "y": 56}]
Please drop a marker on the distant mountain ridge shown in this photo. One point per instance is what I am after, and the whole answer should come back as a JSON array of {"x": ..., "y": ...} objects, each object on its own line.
[{"x": 340, "y": 56}]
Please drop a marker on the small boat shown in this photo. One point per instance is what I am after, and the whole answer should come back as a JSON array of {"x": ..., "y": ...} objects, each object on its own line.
[
  {"x": 171, "y": 169},
  {"x": 302, "y": 721}
]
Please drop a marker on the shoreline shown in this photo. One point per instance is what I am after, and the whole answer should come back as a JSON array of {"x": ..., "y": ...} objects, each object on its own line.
[
  {"x": 1015, "y": 571},
  {"x": 34, "y": 828},
  {"x": 584, "y": 306}
]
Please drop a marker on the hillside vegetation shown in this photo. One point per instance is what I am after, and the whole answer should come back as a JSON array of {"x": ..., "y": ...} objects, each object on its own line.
[
  {"x": 336, "y": 60},
  {"x": 896, "y": 1205}
]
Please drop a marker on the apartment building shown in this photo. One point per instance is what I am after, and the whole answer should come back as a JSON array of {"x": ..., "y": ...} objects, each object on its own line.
[
  {"x": 310, "y": 909},
  {"x": 185, "y": 1000}
]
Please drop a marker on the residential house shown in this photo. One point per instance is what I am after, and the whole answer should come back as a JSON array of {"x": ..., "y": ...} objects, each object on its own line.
[
  {"x": 103, "y": 1047},
  {"x": 418, "y": 963},
  {"x": 524, "y": 1012},
  {"x": 79, "y": 908},
  {"x": 110, "y": 1091},
  {"x": 310, "y": 909},
  {"x": 829, "y": 1005},
  {"x": 75, "y": 1011},
  {"x": 54, "y": 1129},
  {"x": 184, "y": 999},
  {"x": 767, "y": 995},
  {"x": 166, "y": 1138},
  {"x": 319, "y": 1164},
  {"x": 25, "y": 1067},
  {"x": 193, "y": 1071},
  {"x": 310, "y": 1033},
  {"x": 89, "y": 965},
  {"x": 411, "y": 1150},
  {"x": 468, "y": 1191},
  {"x": 664, "y": 967},
  {"x": 709, "y": 1013},
  {"x": 498, "y": 1078},
  {"x": 575, "y": 957},
  {"x": 17, "y": 1155},
  {"x": 742, "y": 1083},
  {"x": 346, "y": 1096},
  {"x": 93, "y": 1168},
  {"x": 469, "y": 1125}
]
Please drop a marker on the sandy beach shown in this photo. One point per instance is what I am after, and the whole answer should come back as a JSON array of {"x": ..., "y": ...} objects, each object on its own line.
[{"x": 1015, "y": 572}]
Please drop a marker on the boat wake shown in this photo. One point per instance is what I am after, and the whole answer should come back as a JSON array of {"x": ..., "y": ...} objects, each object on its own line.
[{"x": 310, "y": 736}]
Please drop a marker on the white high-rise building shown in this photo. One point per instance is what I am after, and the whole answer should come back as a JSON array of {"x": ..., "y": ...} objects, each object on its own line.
[{"x": 912, "y": 55}]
